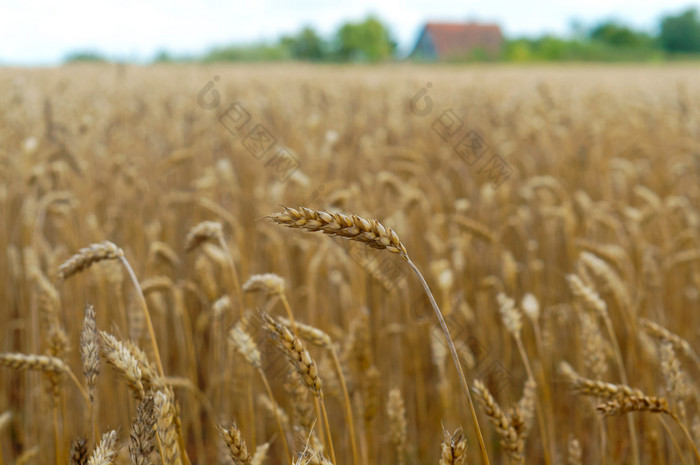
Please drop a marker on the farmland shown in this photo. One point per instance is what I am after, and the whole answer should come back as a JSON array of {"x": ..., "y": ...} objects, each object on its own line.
[{"x": 553, "y": 211}]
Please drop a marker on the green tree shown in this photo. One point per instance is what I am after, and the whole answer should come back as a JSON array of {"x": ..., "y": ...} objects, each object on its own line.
[
  {"x": 619, "y": 35},
  {"x": 681, "y": 33},
  {"x": 84, "y": 56},
  {"x": 163, "y": 56},
  {"x": 369, "y": 40},
  {"x": 306, "y": 45},
  {"x": 247, "y": 53}
]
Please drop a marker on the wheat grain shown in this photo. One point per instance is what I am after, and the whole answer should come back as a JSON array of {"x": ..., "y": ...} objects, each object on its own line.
[
  {"x": 236, "y": 445},
  {"x": 164, "y": 406},
  {"x": 635, "y": 404},
  {"x": 90, "y": 350},
  {"x": 294, "y": 349},
  {"x": 87, "y": 256},
  {"x": 106, "y": 450},
  {"x": 512, "y": 318},
  {"x": 453, "y": 450},
  {"x": 202, "y": 232},
  {"x": 244, "y": 344},
  {"x": 678, "y": 343},
  {"x": 260, "y": 455},
  {"x": 269, "y": 283},
  {"x": 309, "y": 333},
  {"x": 142, "y": 432},
  {"x": 32, "y": 362},
  {"x": 511, "y": 442},
  {"x": 352, "y": 227},
  {"x": 594, "y": 388},
  {"x": 79, "y": 452},
  {"x": 397, "y": 424},
  {"x": 120, "y": 357},
  {"x": 574, "y": 452}
]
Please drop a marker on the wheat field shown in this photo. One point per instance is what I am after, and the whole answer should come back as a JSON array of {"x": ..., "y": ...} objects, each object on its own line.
[{"x": 224, "y": 264}]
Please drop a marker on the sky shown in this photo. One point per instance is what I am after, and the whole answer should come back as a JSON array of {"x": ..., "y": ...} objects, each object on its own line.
[{"x": 34, "y": 32}]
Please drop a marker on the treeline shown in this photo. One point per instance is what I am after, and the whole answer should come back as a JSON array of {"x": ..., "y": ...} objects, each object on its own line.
[{"x": 677, "y": 36}]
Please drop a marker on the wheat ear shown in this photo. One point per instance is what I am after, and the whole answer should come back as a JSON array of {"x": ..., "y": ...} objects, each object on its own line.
[
  {"x": 352, "y": 227},
  {"x": 591, "y": 300},
  {"x": 214, "y": 231},
  {"x": 236, "y": 445},
  {"x": 79, "y": 452},
  {"x": 453, "y": 450},
  {"x": 319, "y": 338},
  {"x": 142, "y": 432},
  {"x": 300, "y": 358},
  {"x": 43, "y": 363},
  {"x": 397, "y": 424},
  {"x": 106, "y": 450},
  {"x": 678, "y": 343},
  {"x": 164, "y": 405},
  {"x": 375, "y": 235},
  {"x": 118, "y": 356},
  {"x": 5, "y": 419},
  {"x": 244, "y": 344},
  {"x": 90, "y": 357},
  {"x": 107, "y": 250},
  {"x": 87, "y": 256},
  {"x": 510, "y": 440}
]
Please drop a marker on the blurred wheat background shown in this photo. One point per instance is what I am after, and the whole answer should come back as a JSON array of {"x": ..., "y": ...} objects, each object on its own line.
[{"x": 579, "y": 272}]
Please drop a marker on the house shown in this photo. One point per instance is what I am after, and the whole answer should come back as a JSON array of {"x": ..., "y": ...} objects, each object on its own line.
[{"x": 450, "y": 41}]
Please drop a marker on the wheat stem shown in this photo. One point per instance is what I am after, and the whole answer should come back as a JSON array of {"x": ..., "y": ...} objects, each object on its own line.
[
  {"x": 671, "y": 436},
  {"x": 79, "y": 385},
  {"x": 56, "y": 440},
  {"x": 146, "y": 314},
  {"x": 623, "y": 376},
  {"x": 234, "y": 273},
  {"x": 328, "y": 430},
  {"x": 455, "y": 358},
  {"x": 538, "y": 405},
  {"x": 348, "y": 406},
  {"x": 285, "y": 443}
]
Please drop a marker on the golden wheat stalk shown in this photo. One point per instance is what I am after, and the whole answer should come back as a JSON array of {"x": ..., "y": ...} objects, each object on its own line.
[
  {"x": 305, "y": 366},
  {"x": 353, "y": 227},
  {"x": 87, "y": 256},
  {"x": 214, "y": 231},
  {"x": 245, "y": 345},
  {"x": 294, "y": 349},
  {"x": 375, "y": 235},
  {"x": 107, "y": 250},
  {"x": 678, "y": 343},
  {"x": 592, "y": 302},
  {"x": 510, "y": 440},
  {"x": 596, "y": 388}
]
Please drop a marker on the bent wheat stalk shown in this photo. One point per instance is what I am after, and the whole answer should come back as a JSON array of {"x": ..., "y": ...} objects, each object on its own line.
[
  {"x": 377, "y": 236},
  {"x": 107, "y": 250},
  {"x": 44, "y": 363}
]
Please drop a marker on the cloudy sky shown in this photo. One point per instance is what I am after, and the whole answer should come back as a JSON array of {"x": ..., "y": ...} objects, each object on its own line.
[{"x": 35, "y": 32}]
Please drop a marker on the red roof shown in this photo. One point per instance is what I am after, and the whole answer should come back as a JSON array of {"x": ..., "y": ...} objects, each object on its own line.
[{"x": 451, "y": 39}]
